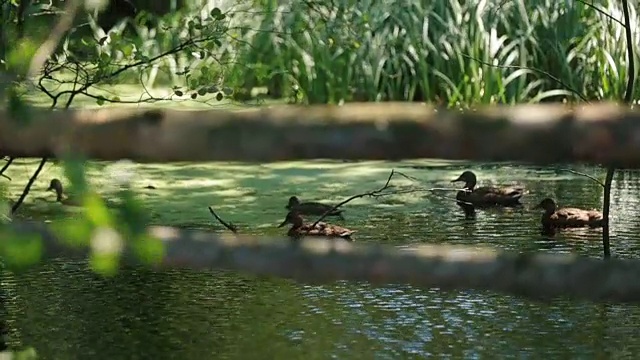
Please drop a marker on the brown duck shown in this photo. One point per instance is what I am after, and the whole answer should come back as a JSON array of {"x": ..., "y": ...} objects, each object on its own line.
[
  {"x": 56, "y": 185},
  {"x": 487, "y": 195},
  {"x": 311, "y": 208},
  {"x": 568, "y": 217},
  {"x": 300, "y": 228}
]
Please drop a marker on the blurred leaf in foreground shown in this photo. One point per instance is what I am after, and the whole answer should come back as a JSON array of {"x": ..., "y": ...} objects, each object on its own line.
[
  {"x": 73, "y": 232},
  {"x": 133, "y": 216},
  {"x": 26, "y": 354},
  {"x": 96, "y": 210},
  {"x": 19, "y": 57},
  {"x": 20, "y": 251},
  {"x": 74, "y": 171},
  {"x": 148, "y": 249},
  {"x": 106, "y": 246}
]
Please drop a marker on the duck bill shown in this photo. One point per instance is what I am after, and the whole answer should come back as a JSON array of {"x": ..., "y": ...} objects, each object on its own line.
[
  {"x": 456, "y": 180},
  {"x": 283, "y": 223}
]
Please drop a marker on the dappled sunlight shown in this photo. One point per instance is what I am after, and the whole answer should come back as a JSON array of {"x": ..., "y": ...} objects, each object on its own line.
[
  {"x": 402, "y": 318},
  {"x": 254, "y": 196}
]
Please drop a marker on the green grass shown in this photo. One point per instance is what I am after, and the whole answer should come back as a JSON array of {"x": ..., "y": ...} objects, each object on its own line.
[
  {"x": 457, "y": 53},
  {"x": 454, "y": 52}
]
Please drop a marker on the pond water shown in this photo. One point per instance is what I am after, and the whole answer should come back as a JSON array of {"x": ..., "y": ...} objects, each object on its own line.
[{"x": 65, "y": 311}]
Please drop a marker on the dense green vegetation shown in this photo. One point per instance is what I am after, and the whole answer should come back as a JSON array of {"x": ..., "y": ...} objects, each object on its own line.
[{"x": 456, "y": 53}]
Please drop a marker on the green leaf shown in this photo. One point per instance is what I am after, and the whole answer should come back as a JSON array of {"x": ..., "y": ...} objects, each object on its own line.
[
  {"x": 132, "y": 213},
  {"x": 97, "y": 211},
  {"x": 74, "y": 171},
  {"x": 202, "y": 91},
  {"x": 178, "y": 92},
  {"x": 149, "y": 249},
  {"x": 193, "y": 83},
  {"x": 105, "y": 264},
  {"x": 20, "y": 251},
  {"x": 73, "y": 232},
  {"x": 105, "y": 58},
  {"x": 100, "y": 100},
  {"x": 26, "y": 354},
  {"x": 19, "y": 57},
  {"x": 127, "y": 50},
  {"x": 215, "y": 12},
  {"x": 219, "y": 96}
]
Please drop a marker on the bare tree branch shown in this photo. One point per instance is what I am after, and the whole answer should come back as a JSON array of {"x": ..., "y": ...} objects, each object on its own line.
[
  {"x": 25, "y": 192},
  {"x": 230, "y": 226},
  {"x": 358, "y": 196},
  {"x": 596, "y": 180}
]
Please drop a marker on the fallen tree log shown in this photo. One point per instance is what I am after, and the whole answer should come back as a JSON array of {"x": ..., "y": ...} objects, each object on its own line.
[
  {"x": 318, "y": 261},
  {"x": 601, "y": 133}
]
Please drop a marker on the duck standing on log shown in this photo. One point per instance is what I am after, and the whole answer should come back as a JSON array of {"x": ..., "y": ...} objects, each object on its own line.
[
  {"x": 486, "y": 196},
  {"x": 300, "y": 229}
]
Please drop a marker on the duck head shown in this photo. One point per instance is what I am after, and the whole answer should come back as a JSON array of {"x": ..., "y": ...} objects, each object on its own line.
[
  {"x": 293, "y": 201},
  {"x": 547, "y": 204},
  {"x": 469, "y": 179}
]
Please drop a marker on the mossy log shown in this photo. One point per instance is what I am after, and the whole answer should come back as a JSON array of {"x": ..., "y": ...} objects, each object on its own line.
[
  {"x": 544, "y": 134},
  {"x": 319, "y": 261}
]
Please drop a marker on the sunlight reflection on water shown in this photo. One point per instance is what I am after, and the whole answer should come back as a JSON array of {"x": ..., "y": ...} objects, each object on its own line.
[{"x": 275, "y": 318}]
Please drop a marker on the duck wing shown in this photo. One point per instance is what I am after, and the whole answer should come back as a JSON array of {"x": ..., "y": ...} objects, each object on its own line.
[
  {"x": 575, "y": 216},
  {"x": 316, "y": 208},
  {"x": 494, "y": 193}
]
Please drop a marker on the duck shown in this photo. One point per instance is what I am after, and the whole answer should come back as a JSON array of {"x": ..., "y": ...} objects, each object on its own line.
[
  {"x": 486, "y": 195},
  {"x": 312, "y": 208},
  {"x": 568, "y": 217},
  {"x": 299, "y": 228},
  {"x": 56, "y": 185}
]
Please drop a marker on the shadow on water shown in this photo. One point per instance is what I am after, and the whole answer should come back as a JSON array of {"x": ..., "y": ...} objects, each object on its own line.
[{"x": 65, "y": 311}]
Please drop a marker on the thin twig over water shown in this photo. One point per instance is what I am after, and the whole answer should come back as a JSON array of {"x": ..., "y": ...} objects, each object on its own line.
[
  {"x": 369, "y": 193},
  {"x": 585, "y": 175},
  {"x": 27, "y": 188},
  {"x": 230, "y": 226}
]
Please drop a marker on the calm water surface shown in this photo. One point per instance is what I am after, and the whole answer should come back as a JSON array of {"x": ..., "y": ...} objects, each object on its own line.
[{"x": 66, "y": 312}]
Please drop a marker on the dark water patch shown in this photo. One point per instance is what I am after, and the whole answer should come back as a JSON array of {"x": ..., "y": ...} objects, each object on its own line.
[{"x": 65, "y": 311}]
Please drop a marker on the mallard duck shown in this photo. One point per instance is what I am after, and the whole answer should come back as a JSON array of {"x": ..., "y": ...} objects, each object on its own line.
[
  {"x": 568, "y": 217},
  {"x": 487, "y": 195},
  {"x": 300, "y": 228},
  {"x": 311, "y": 208},
  {"x": 56, "y": 185}
]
